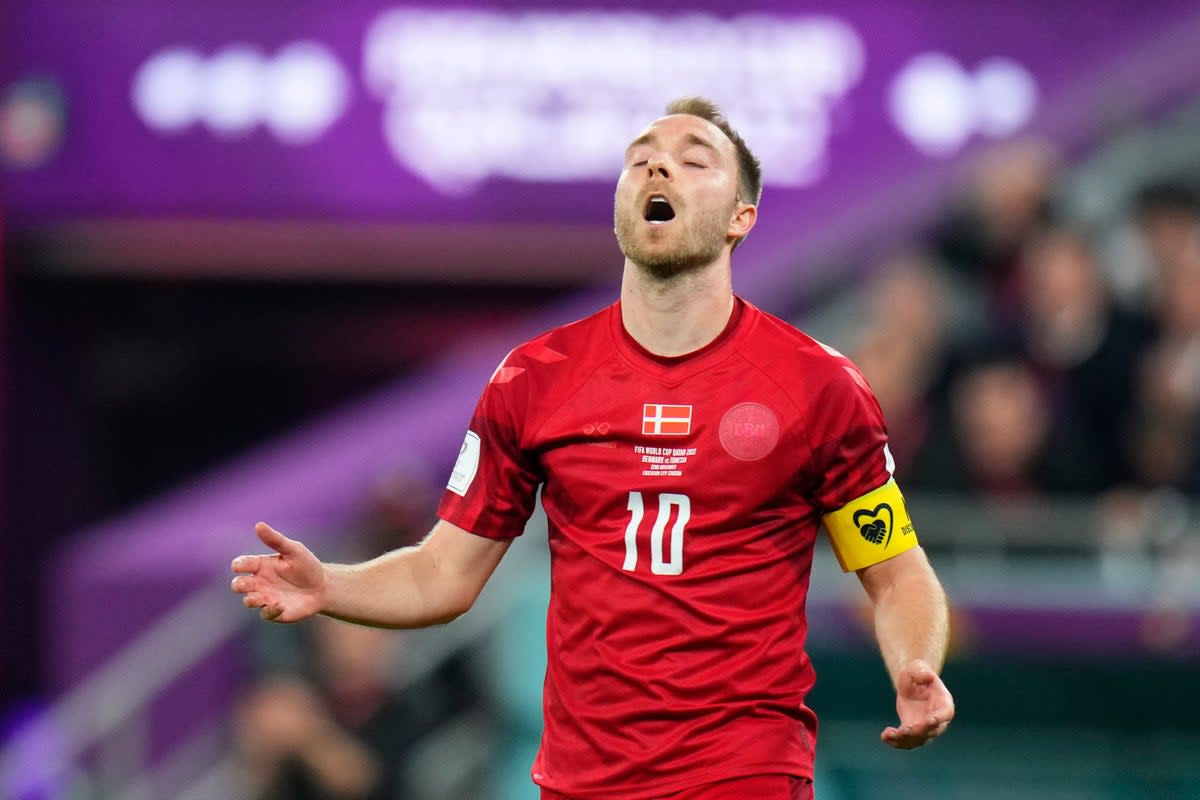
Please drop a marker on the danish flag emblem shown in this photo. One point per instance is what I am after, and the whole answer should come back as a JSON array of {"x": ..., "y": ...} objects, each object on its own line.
[{"x": 664, "y": 420}]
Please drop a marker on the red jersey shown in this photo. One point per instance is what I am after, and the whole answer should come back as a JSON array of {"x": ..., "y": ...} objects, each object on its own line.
[{"x": 683, "y": 498}]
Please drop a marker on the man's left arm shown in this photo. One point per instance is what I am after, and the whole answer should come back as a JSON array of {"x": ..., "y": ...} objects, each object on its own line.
[{"x": 912, "y": 627}]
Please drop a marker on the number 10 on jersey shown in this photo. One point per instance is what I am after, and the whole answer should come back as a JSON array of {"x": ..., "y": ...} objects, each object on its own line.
[{"x": 661, "y": 563}]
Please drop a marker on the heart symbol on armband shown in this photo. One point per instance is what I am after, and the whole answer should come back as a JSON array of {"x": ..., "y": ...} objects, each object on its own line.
[{"x": 875, "y": 525}]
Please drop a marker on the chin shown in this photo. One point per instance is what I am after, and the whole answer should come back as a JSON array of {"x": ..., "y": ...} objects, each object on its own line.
[{"x": 668, "y": 265}]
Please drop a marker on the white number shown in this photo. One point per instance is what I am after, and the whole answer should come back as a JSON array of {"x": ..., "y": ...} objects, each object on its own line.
[{"x": 637, "y": 511}]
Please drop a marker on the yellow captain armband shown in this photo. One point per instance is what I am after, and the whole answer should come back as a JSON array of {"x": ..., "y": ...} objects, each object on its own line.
[{"x": 871, "y": 529}]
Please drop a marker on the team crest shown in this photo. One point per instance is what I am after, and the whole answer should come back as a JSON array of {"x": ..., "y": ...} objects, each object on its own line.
[{"x": 749, "y": 431}]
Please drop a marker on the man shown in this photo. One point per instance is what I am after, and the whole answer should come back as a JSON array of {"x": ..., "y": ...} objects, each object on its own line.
[{"x": 689, "y": 446}]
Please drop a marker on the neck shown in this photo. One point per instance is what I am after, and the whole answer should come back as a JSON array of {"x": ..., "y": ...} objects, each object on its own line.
[{"x": 677, "y": 315}]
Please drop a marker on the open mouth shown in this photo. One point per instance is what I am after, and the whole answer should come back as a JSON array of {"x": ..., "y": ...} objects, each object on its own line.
[{"x": 658, "y": 210}]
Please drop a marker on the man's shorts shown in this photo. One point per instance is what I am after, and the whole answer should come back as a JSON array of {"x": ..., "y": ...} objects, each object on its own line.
[{"x": 751, "y": 787}]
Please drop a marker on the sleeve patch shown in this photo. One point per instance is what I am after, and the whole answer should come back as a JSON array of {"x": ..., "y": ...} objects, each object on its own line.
[
  {"x": 466, "y": 466},
  {"x": 871, "y": 529}
]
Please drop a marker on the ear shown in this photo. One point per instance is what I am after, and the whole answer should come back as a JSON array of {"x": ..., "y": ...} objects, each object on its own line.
[{"x": 743, "y": 219}]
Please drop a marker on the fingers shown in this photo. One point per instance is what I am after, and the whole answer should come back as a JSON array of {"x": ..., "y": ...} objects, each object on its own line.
[
  {"x": 904, "y": 737},
  {"x": 251, "y": 590},
  {"x": 244, "y": 584},
  {"x": 890, "y": 736},
  {"x": 248, "y": 565},
  {"x": 943, "y": 711},
  {"x": 909, "y": 737},
  {"x": 256, "y": 589},
  {"x": 274, "y": 539},
  {"x": 271, "y": 538},
  {"x": 940, "y": 703},
  {"x": 925, "y": 707},
  {"x": 256, "y": 599}
]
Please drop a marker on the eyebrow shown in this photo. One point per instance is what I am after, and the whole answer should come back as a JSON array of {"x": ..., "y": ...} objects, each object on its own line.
[{"x": 691, "y": 139}]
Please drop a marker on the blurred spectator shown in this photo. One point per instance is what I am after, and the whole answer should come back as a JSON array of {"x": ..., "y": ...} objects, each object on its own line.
[
  {"x": 911, "y": 307},
  {"x": 1006, "y": 198},
  {"x": 999, "y": 441},
  {"x": 1166, "y": 434},
  {"x": 339, "y": 735},
  {"x": 1082, "y": 347},
  {"x": 399, "y": 510},
  {"x": 337, "y": 713},
  {"x": 1167, "y": 216},
  {"x": 898, "y": 371},
  {"x": 1167, "y": 422},
  {"x": 1178, "y": 309},
  {"x": 913, "y": 295}
]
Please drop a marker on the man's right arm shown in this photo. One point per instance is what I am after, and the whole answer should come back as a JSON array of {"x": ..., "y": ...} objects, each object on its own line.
[
  {"x": 430, "y": 584},
  {"x": 414, "y": 587}
]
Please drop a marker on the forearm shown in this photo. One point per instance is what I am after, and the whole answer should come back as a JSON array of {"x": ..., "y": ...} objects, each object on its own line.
[
  {"x": 401, "y": 589},
  {"x": 911, "y": 618}
]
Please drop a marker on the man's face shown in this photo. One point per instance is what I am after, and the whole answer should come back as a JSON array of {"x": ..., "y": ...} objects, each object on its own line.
[{"x": 677, "y": 196}]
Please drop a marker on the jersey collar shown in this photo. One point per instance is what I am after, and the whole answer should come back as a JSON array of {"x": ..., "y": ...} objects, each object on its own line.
[{"x": 688, "y": 363}]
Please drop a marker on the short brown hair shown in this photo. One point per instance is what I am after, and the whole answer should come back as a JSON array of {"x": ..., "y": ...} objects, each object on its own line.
[{"x": 749, "y": 170}]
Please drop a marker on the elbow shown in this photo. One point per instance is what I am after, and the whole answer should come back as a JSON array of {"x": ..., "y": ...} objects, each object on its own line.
[{"x": 453, "y": 608}]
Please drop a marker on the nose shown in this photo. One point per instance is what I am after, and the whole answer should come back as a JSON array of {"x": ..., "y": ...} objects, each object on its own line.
[{"x": 657, "y": 167}]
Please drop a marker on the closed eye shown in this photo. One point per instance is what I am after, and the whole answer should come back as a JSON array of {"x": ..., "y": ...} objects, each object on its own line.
[{"x": 696, "y": 164}]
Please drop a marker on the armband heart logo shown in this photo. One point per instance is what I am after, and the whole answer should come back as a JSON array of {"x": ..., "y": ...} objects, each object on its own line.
[{"x": 875, "y": 524}]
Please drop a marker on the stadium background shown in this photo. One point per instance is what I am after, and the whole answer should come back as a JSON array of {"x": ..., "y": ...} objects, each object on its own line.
[{"x": 258, "y": 259}]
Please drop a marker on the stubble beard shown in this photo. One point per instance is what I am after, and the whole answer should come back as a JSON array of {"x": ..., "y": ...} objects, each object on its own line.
[{"x": 700, "y": 245}]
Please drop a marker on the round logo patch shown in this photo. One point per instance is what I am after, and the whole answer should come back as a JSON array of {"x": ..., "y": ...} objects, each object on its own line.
[{"x": 749, "y": 431}]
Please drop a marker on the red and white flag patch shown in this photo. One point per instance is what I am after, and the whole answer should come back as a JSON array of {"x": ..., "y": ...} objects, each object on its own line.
[{"x": 659, "y": 419}]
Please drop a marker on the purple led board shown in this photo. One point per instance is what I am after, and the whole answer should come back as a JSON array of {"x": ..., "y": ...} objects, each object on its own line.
[{"x": 507, "y": 111}]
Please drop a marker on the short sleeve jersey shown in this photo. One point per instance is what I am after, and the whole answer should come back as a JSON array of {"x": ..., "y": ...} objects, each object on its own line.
[{"x": 683, "y": 498}]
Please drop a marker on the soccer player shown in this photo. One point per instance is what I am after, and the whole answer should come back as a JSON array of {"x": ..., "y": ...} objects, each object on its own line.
[{"x": 689, "y": 446}]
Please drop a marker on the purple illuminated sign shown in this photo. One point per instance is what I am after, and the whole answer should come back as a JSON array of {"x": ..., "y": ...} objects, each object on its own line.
[{"x": 513, "y": 111}]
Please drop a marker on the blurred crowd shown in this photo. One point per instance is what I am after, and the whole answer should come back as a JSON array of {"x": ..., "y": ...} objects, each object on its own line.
[
  {"x": 1039, "y": 370},
  {"x": 339, "y": 711},
  {"x": 1019, "y": 354}
]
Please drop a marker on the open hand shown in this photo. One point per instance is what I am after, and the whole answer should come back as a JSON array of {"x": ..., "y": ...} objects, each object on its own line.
[
  {"x": 286, "y": 586},
  {"x": 925, "y": 707}
]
